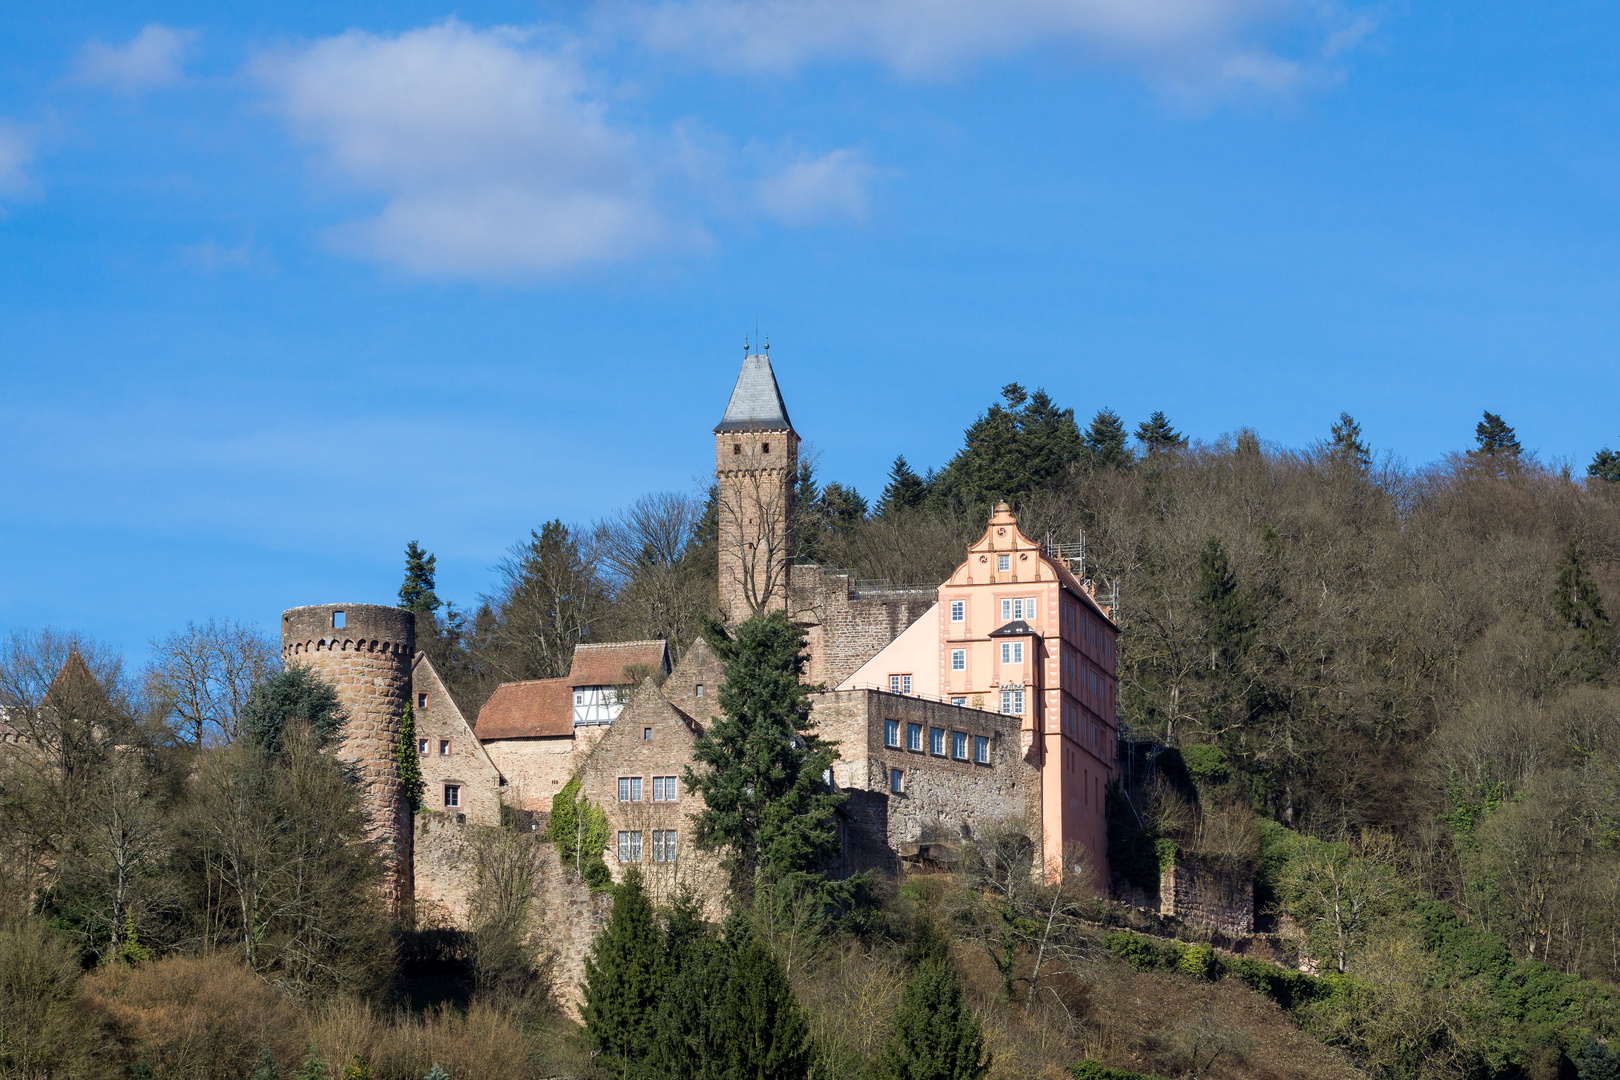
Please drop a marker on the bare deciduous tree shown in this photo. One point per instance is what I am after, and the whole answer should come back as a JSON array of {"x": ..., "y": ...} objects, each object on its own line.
[{"x": 201, "y": 677}]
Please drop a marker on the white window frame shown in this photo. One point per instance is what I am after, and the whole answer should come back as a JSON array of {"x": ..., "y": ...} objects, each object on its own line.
[
  {"x": 914, "y": 737},
  {"x": 959, "y": 745},
  {"x": 452, "y": 796},
  {"x": 624, "y": 845},
  {"x": 1012, "y": 652},
  {"x": 1029, "y": 609},
  {"x": 981, "y": 749},
  {"x": 891, "y": 733},
  {"x": 897, "y": 781},
  {"x": 958, "y": 659},
  {"x": 629, "y": 789},
  {"x": 958, "y": 611},
  {"x": 1003, "y": 563},
  {"x": 936, "y": 741},
  {"x": 1012, "y": 703},
  {"x": 444, "y": 747},
  {"x": 959, "y": 702},
  {"x": 422, "y": 746}
]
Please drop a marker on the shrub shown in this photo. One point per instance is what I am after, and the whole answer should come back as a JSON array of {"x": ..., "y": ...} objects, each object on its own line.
[
  {"x": 1199, "y": 961},
  {"x": 196, "y": 1017},
  {"x": 1093, "y": 1070},
  {"x": 44, "y": 1029},
  {"x": 1144, "y": 953}
]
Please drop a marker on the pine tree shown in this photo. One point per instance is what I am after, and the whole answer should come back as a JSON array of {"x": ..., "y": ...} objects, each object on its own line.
[
  {"x": 416, "y": 594},
  {"x": 266, "y": 1069},
  {"x": 624, "y": 976},
  {"x": 906, "y": 490},
  {"x": 1594, "y": 1061},
  {"x": 1105, "y": 441},
  {"x": 409, "y": 760},
  {"x": 1156, "y": 435},
  {"x": 1579, "y": 606},
  {"x": 690, "y": 1032},
  {"x": 295, "y": 693},
  {"x": 1347, "y": 445},
  {"x": 1227, "y": 621},
  {"x": 843, "y": 507},
  {"x": 313, "y": 1067},
  {"x": 767, "y": 1036},
  {"x": 436, "y": 1073},
  {"x": 765, "y": 804},
  {"x": 1016, "y": 446},
  {"x": 357, "y": 1070},
  {"x": 1605, "y": 466},
  {"x": 1495, "y": 438},
  {"x": 936, "y": 1036}
]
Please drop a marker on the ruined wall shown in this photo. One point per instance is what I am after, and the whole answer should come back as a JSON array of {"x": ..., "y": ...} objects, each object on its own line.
[
  {"x": 1201, "y": 895},
  {"x": 565, "y": 916},
  {"x": 846, "y": 627},
  {"x": 368, "y": 658},
  {"x": 944, "y": 799}
]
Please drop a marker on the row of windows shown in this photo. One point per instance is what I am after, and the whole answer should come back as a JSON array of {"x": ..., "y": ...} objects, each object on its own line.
[
  {"x": 960, "y": 741},
  {"x": 423, "y": 745},
  {"x": 664, "y": 788},
  {"x": 1016, "y": 608},
  {"x": 663, "y": 845}
]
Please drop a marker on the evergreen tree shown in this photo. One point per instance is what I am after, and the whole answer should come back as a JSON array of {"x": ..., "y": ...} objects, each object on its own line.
[
  {"x": 313, "y": 1067},
  {"x": 1156, "y": 435},
  {"x": 1347, "y": 445},
  {"x": 1594, "y": 1061},
  {"x": 409, "y": 760},
  {"x": 1016, "y": 446},
  {"x": 1605, "y": 466},
  {"x": 690, "y": 1032},
  {"x": 765, "y": 803},
  {"x": 436, "y": 1073},
  {"x": 1495, "y": 438},
  {"x": 296, "y": 693},
  {"x": 416, "y": 594},
  {"x": 1579, "y": 606},
  {"x": 767, "y": 1036},
  {"x": 906, "y": 490},
  {"x": 1227, "y": 621},
  {"x": 809, "y": 515},
  {"x": 936, "y": 1036},
  {"x": 624, "y": 976},
  {"x": 357, "y": 1070},
  {"x": 266, "y": 1069},
  {"x": 843, "y": 507},
  {"x": 1105, "y": 441}
]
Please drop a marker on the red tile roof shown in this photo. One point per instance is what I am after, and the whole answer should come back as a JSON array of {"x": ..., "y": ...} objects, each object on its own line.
[
  {"x": 527, "y": 710},
  {"x": 603, "y": 665}
]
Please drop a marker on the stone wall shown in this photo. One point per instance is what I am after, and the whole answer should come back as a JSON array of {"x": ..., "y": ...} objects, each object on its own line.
[
  {"x": 845, "y": 626},
  {"x": 1200, "y": 895},
  {"x": 535, "y": 769},
  {"x": 453, "y": 754},
  {"x": 368, "y": 659},
  {"x": 944, "y": 800},
  {"x": 566, "y": 914}
]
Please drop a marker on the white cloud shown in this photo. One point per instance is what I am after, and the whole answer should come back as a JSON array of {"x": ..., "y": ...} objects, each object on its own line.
[
  {"x": 834, "y": 184},
  {"x": 16, "y": 151},
  {"x": 491, "y": 152},
  {"x": 1177, "y": 43},
  {"x": 151, "y": 58}
]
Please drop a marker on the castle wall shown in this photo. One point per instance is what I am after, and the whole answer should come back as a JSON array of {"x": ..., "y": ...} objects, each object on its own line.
[
  {"x": 368, "y": 659},
  {"x": 535, "y": 769},
  {"x": 452, "y": 755},
  {"x": 1201, "y": 895},
  {"x": 845, "y": 628},
  {"x": 945, "y": 800}
]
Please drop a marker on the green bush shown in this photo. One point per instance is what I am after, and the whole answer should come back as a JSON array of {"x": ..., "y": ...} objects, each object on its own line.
[
  {"x": 1207, "y": 765},
  {"x": 1289, "y": 989},
  {"x": 1144, "y": 953},
  {"x": 1199, "y": 961}
]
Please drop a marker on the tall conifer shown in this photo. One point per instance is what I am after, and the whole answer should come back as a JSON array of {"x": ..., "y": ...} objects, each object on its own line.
[
  {"x": 1156, "y": 435},
  {"x": 1105, "y": 441},
  {"x": 906, "y": 490},
  {"x": 416, "y": 592},
  {"x": 1347, "y": 445},
  {"x": 936, "y": 1036},
  {"x": 1605, "y": 466},
  {"x": 624, "y": 976},
  {"x": 767, "y": 1036}
]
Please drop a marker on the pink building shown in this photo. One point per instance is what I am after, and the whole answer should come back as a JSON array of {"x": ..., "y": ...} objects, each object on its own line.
[{"x": 1015, "y": 632}]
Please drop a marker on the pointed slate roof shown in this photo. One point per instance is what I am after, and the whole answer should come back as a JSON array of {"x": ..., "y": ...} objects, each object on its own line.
[{"x": 756, "y": 401}]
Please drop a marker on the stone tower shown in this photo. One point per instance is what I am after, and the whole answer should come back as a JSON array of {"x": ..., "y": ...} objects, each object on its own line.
[
  {"x": 366, "y": 651},
  {"x": 756, "y": 465}
]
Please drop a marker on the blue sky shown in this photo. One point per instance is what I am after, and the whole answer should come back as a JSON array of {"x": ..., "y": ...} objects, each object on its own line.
[{"x": 283, "y": 287}]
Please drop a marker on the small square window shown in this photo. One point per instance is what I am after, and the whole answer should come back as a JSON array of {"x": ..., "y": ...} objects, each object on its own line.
[
  {"x": 958, "y": 610},
  {"x": 914, "y": 733},
  {"x": 897, "y": 781},
  {"x": 767, "y": 447},
  {"x": 1003, "y": 562},
  {"x": 579, "y": 699},
  {"x": 421, "y": 701},
  {"x": 452, "y": 795},
  {"x": 444, "y": 747},
  {"x": 959, "y": 745},
  {"x": 698, "y": 690},
  {"x": 891, "y": 733},
  {"x": 422, "y": 747},
  {"x": 958, "y": 659},
  {"x": 981, "y": 749},
  {"x": 338, "y": 620},
  {"x": 936, "y": 741},
  {"x": 646, "y": 734}
]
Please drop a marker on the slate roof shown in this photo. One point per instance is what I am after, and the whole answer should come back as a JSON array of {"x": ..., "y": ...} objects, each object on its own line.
[
  {"x": 528, "y": 710},
  {"x": 1016, "y": 628},
  {"x": 604, "y": 664},
  {"x": 756, "y": 401}
]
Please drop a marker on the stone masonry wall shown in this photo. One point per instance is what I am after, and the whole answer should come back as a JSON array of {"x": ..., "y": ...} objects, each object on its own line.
[
  {"x": 368, "y": 659},
  {"x": 1199, "y": 895},
  {"x": 453, "y": 755},
  {"x": 846, "y": 628},
  {"x": 535, "y": 769},
  {"x": 944, "y": 799}
]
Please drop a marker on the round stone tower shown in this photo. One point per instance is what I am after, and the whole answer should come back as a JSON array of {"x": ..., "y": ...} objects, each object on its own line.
[{"x": 366, "y": 651}]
